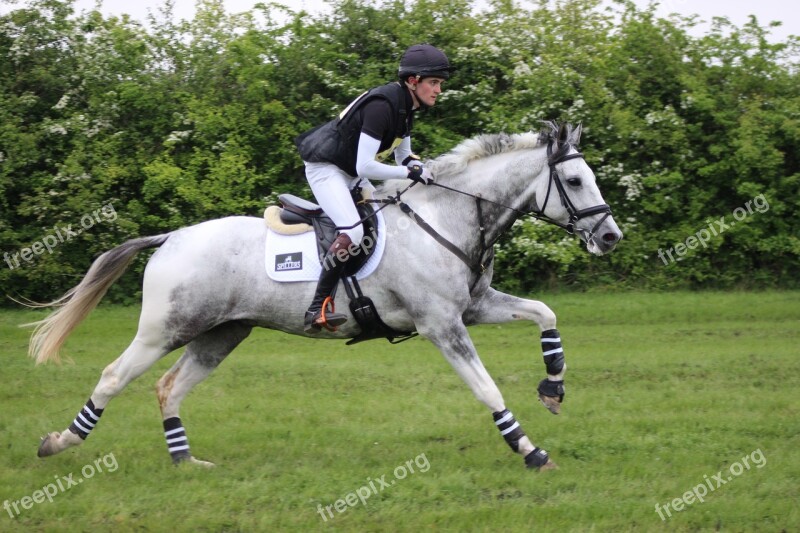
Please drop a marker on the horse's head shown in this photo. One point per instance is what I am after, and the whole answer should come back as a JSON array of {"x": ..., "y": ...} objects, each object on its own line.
[{"x": 570, "y": 196}]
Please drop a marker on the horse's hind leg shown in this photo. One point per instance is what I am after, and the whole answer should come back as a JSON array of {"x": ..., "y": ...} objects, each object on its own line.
[
  {"x": 202, "y": 356},
  {"x": 142, "y": 353}
]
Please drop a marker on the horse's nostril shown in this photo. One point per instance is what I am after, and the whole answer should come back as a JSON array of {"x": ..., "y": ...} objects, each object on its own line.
[{"x": 610, "y": 237}]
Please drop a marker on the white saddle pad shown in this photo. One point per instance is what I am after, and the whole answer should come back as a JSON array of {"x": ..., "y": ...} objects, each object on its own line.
[{"x": 295, "y": 257}]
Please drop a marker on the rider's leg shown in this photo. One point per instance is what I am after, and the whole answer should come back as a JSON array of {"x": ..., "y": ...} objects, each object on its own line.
[
  {"x": 332, "y": 265},
  {"x": 331, "y": 188}
]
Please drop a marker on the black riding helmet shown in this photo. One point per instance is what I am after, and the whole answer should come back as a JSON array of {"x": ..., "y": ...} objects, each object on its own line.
[{"x": 425, "y": 61}]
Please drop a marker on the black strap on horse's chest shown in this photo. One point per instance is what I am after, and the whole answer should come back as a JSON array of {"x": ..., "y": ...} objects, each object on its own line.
[
  {"x": 362, "y": 307},
  {"x": 478, "y": 266}
]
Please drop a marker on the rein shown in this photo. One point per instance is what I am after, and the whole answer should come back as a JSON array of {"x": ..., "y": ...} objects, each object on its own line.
[
  {"x": 479, "y": 266},
  {"x": 476, "y": 266}
]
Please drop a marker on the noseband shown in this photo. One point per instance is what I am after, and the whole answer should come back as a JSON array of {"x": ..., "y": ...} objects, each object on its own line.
[{"x": 553, "y": 160}]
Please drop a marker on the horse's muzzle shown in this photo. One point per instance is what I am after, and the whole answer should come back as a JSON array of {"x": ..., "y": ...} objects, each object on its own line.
[
  {"x": 603, "y": 244},
  {"x": 603, "y": 238}
]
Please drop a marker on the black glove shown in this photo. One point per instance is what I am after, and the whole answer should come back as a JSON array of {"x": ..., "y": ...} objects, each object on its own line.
[
  {"x": 413, "y": 158},
  {"x": 418, "y": 173}
]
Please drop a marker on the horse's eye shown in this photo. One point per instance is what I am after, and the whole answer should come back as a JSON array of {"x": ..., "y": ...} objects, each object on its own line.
[{"x": 574, "y": 182}]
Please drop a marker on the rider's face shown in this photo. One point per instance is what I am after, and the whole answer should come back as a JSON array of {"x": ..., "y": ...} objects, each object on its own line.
[{"x": 427, "y": 90}]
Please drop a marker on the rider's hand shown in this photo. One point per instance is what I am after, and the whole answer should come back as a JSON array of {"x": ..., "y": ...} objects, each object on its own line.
[{"x": 418, "y": 173}]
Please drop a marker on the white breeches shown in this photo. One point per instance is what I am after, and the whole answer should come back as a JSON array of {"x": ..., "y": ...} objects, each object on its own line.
[{"x": 331, "y": 187}]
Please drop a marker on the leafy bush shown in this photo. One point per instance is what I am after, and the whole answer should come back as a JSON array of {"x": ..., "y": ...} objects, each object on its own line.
[{"x": 181, "y": 121}]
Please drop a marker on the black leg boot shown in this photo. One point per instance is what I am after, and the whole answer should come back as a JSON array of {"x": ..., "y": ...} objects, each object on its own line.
[{"x": 332, "y": 266}]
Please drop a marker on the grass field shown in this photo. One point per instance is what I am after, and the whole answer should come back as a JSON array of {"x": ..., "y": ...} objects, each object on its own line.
[{"x": 665, "y": 393}]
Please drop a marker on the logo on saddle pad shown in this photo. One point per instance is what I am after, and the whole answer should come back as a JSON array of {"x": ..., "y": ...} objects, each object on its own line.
[{"x": 293, "y": 261}]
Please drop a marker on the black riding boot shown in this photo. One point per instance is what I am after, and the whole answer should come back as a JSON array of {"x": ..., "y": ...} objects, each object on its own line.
[{"x": 332, "y": 266}]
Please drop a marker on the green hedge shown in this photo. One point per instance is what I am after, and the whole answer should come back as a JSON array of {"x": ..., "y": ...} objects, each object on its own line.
[{"x": 173, "y": 122}]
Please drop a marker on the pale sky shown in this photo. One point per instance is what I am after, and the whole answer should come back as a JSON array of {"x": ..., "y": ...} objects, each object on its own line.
[{"x": 785, "y": 11}]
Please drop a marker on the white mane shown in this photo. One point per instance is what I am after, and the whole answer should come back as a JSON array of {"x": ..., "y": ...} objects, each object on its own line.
[{"x": 456, "y": 160}]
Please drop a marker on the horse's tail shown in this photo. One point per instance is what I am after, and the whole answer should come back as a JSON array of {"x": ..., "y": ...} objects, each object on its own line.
[{"x": 51, "y": 333}]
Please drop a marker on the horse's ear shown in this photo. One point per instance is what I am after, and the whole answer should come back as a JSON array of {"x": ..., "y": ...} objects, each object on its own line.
[
  {"x": 563, "y": 133},
  {"x": 575, "y": 137}
]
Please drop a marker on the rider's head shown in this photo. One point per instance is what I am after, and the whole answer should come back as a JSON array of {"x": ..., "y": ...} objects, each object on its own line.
[{"x": 423, "y": 68}]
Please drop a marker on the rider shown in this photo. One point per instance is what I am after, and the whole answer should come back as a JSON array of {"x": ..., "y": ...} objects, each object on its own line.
[{"x": 347, "y": 151}]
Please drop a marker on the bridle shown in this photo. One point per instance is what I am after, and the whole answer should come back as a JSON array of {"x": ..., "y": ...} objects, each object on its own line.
[
  {"x": 479, "y": 266},
  {"x": 575, "y": 215}
]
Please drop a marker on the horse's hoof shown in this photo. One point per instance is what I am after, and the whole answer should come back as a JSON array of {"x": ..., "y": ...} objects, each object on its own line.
[
  {"x": 190, "y": 459},
  {"x": 204, "y": 464},
  {"x": 46, "y": 447},
  {"x": 551, "y": 394},
  {"x": 549, "y": 465},
  {"x": 551, "y": 403}
]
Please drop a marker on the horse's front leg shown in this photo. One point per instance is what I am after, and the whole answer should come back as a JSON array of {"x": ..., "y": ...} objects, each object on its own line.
[
  {"x": 455, "y": 344},
  {"x": 495, "y": 307}
]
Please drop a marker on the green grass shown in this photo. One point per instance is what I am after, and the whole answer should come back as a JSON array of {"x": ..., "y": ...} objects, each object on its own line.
[{"x": 662, "y": 391}]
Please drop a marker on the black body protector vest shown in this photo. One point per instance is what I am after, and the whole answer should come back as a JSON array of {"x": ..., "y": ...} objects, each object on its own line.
[{"x": 337, "y": 141}]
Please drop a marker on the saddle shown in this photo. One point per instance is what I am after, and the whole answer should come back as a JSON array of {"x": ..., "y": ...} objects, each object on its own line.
[
  {"x": 305, "y": 215},
  {"x": 295, "y": 210}
]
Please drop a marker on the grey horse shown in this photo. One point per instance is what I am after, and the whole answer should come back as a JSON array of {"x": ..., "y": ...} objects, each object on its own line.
[{"x": 205, "y": 287}]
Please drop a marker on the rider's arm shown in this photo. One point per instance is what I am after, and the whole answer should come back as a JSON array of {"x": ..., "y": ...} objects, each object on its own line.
[
  {"x": 403, "y": 151},
  {"x": 376, "y": 121},
  {"x": 368, "y": 167}
]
